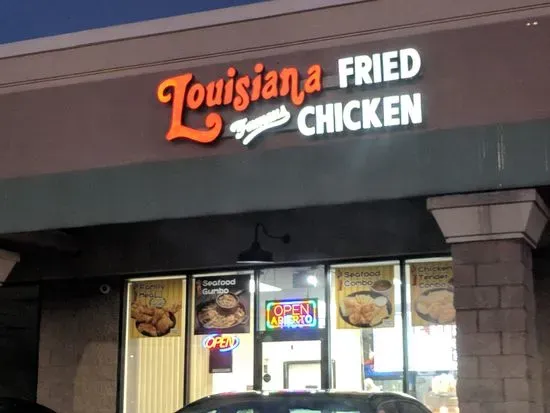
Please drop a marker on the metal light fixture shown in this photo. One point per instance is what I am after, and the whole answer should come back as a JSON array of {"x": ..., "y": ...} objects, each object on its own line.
[{"x": 255, "y": 254}]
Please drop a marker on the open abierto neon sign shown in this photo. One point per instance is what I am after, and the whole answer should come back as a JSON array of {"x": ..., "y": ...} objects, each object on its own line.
[{"x": 291, "y": 314}]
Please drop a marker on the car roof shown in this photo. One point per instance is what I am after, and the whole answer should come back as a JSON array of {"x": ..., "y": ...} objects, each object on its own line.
[{"x": 252, "y": 395}]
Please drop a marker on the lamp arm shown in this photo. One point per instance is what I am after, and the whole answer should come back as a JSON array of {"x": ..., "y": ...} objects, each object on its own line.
[{"x": 285, "y": 238}]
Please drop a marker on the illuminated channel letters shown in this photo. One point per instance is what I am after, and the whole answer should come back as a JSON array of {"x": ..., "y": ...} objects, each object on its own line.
[
  {"x": 308, "y": 113},
  {"x": 221, "y": 342},
  {"x": 291, "y": 314},
  {"x": 238, "y": 91}
]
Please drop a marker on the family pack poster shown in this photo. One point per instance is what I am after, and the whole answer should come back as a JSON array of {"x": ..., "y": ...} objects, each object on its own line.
[{"x": 155, "y": 308}]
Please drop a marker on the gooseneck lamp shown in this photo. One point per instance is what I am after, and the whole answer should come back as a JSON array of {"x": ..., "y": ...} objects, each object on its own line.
[{"x": 255, "y": 254}]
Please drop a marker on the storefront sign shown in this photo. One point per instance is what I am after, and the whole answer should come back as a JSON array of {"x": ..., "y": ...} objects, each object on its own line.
[
  {"x": 155, "y": 308},
  {"x": 432, "y": 293},
  {"x": 291, "y": 314},
  {"x": 221, "y": 342},
  {"x": 240, "y": 91},
  {"x": 365, "y": 296},
  {"x": 222, "y": 304}
]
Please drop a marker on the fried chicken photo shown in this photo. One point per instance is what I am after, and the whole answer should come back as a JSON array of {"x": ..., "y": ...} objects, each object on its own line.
[{"x": 153, "y": 321}]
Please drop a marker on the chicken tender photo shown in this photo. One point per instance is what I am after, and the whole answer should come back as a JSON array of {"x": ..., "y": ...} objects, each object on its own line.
[{"x": 436, "y": 306}]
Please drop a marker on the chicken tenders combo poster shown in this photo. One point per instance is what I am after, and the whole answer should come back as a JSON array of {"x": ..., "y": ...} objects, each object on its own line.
[
  {"x": 432, "y": 293},
  {"x": 156, "y": 308},
  {"x": 365, "y": 296}
]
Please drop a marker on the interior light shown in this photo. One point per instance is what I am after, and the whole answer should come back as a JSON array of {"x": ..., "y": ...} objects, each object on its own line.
[
  {"x": 264, "y": 288},
  {"x": 312, "y": 280}
]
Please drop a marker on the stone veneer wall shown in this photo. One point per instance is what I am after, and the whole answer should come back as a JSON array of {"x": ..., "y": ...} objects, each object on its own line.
[
  {"x": 542, "y": 290},
  {"x": 499, "y": 364},
  {"x": 78, "y": 353}
]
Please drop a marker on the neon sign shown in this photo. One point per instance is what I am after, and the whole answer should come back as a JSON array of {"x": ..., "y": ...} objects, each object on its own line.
[
  {"x": 185, "y": 94},
  {"x": 291, "y": 314},
  {"x": 238, "y": 91},
  {"x": 221, "y": 342}
]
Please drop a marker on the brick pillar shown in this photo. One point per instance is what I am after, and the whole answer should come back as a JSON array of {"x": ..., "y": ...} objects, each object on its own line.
[{"x": 491, "y": 237}]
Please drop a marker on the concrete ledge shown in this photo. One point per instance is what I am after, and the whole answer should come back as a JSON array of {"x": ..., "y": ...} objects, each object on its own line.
[{"x": 516, "y": 214}]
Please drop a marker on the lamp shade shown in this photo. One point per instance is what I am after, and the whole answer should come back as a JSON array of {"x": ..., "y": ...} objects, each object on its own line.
[{"x": 255, "y": 255}]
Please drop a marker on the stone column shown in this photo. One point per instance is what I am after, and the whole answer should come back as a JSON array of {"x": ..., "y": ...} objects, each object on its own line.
[{"x": 491, "y": 237}]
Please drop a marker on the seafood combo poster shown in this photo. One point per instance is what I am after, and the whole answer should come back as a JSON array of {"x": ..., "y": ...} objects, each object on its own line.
[
  {"x": 155, "y": 309},
  {"x": 222, "y": 304},
  {"x": 432, "y": 293},
  {"x": 365, "y": 296}
]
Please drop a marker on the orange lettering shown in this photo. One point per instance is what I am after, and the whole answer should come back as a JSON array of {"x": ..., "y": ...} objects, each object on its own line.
[
  {"x": 290, "y": 84},
  {"x": 242, "y": 99},
  {"x": 214, "y": 93},
  {"x": 238, "y": 91},
  {"x": 257, "y": 82},
  {"x": 175, "y": 89},
  {"x": 313, "y": 82},
  {"x": 270, "y": 89}
]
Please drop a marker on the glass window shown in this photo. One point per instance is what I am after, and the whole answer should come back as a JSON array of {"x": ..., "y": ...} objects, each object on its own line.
[
  {"x": 222, "y": 338},
  {"x": 292, "y": 283},
  {"x": 431, "y": 333},
  {"x": 155, "y": 345},
  {"x": 367, "y": 328}
]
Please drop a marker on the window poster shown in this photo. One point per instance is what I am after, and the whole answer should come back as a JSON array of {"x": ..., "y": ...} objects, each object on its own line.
[
  {"x": 222, "y": 304},
  {"x": 365, "y": 296},
  {"x": 155, "y": 309},
  {"x": 432, "y": 293}
]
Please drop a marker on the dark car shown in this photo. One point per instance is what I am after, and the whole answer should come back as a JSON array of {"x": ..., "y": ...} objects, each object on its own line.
[
  {"x": 10, "y": 405},
  {"x": 306, "y": 402}
]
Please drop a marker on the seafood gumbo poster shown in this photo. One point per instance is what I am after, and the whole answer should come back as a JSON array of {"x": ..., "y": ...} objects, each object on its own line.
[
  {"x": 222, "y": 304},
  {"x": 432, "y": 293},
  {"x": 155, "y": 309},
  {"x": 365, "y": 296}
]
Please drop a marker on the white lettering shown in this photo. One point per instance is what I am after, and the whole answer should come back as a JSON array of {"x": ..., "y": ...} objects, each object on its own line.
[
  {"x": 345, "y": 69},
  {"x": 391, "y": 111},
  {"x": 302, "y": 121},
  {"x": 411, "y": 109},
  {"x": 349, "y": 123},
  {"x": 377, "y": 68},
  {"x": 390, "y": 65},
  {"x": 411, "y": 56},
  {"x": 370, "y": 118},
  {"x": 324, "y": 119},
  {"x": 248, "y": 130},
  {"x": 338, "y": 117},
  {"x": 363, "y": 67},
  {"x": 374, "y": 113}
]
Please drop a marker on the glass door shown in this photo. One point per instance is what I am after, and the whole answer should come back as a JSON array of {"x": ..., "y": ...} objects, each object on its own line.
[
  {"x": 293, "y": 365},
  {"x": 291, "y": 350}
]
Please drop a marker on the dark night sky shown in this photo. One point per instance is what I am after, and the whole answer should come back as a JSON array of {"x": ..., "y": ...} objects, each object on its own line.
[{"x": 28, "y": 19}]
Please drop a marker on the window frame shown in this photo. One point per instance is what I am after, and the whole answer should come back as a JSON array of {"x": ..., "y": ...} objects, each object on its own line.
[{"x": 324, "y": 334}]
